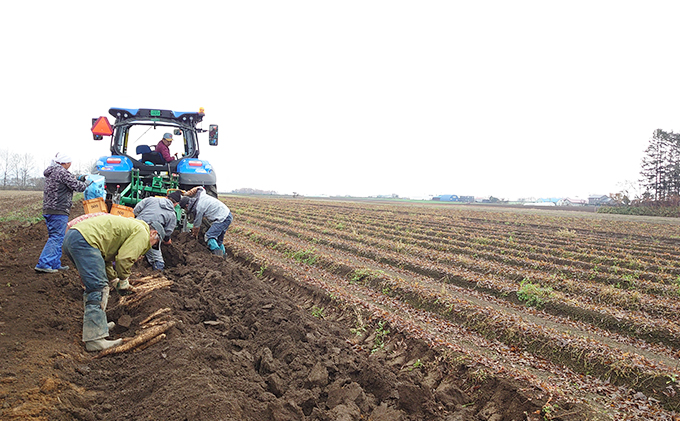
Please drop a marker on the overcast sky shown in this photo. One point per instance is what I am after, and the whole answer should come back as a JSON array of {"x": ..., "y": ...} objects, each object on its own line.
[{"x": 505, "y": 98}]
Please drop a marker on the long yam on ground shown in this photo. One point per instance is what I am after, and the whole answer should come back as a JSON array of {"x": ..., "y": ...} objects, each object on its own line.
[{"x": 146, "y": 336}]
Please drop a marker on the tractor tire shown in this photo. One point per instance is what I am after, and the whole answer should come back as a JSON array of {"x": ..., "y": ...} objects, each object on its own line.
[{"x": 211, "y": 190}]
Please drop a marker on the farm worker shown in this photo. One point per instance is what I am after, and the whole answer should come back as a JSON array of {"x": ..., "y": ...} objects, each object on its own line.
[
  {"x": 93, "y": 245},
  {"x": 162, "y": 211},
  {"x": 57, "y": 201},
  {"x": 163, "y": 147},
  {"x": 198, "y": 204}
]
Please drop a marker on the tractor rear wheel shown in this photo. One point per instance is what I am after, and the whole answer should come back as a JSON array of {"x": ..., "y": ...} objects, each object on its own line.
[{"x": 211, "y": 190}]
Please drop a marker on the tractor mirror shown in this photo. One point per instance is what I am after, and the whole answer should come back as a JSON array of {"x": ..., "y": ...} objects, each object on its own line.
[
  {"x": 212, "y": 135},
  {"x": 177, "y": 132}
]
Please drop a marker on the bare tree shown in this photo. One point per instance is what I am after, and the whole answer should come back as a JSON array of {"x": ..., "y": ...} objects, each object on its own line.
[
  {"x": 13, "y": 173},
  {"x": 84, "y": 167},
  {"x": 4, "y": 167},
  {"x": 25, "y": 169}
]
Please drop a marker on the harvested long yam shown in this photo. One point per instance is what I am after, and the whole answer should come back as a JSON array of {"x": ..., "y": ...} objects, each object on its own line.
[
  {"x": 156, "y": 322},
  {"x": 147, "y": 278},
  {"x": 141, "y": 291},
  {"x": 152, "y": 285},
  {"x": 138, "y": 340},
  {"x": 155, "y": 314},
  {"x": 151, "y": 342}
]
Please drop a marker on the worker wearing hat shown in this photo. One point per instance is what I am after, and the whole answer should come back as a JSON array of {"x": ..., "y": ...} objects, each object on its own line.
[
  {"x": 163, "y": 147},
  {"x": 198, "y": 204},
  {"x": 160, "y": 210},
  {"x": 94, "y": 245},
  {"x": 57, "y": 201}
]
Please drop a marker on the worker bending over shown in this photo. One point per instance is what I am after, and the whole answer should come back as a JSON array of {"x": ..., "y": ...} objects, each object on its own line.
[
  {"x": 93, "y": 245},
  {"x": 159, "y": 210},
  {"x": 198, "y": 204}
]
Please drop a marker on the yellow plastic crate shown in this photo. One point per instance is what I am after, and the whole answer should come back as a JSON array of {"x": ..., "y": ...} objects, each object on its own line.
[
  {"x": 95, "y": 205},
  {"x": 122, "y": 210}
]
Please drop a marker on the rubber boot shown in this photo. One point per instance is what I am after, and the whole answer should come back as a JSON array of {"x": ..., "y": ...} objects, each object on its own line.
[
  {"x": 105, "y": 302},
  {"x": 212, "y": 244},
  {"x": 215, "y": 248},
  {"x": 101, "y": 344},
  {"x": 95, "y": 325},
  {"x": 105, "y": 297}
]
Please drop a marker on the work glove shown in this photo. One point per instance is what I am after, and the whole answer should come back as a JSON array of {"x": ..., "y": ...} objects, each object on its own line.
[
  {"x": 194, "y": 231},
  {"x": 121, "y": 285},
  {"x": 82, "y": 177}
]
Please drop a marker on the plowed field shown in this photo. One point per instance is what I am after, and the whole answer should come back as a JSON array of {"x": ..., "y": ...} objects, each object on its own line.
[{"x": 348, "y": 310}]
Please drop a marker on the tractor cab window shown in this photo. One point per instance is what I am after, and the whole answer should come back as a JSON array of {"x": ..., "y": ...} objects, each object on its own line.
[
  {"x": 148, "y": 135},
  {"x": 134, "y": 140},
  {"x": 131, "y": 140}
]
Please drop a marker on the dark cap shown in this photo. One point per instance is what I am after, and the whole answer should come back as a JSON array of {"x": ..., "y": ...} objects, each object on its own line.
[
  {"x": 175, "y": 196},
  {"x": 183, "y": 202}
]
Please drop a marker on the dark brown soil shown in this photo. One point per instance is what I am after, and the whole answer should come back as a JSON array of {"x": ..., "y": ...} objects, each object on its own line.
[{"x": 242, "y": 348}]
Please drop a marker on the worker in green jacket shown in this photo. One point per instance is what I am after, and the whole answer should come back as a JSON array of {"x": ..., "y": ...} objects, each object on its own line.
[{"x": 93, "y": 245}]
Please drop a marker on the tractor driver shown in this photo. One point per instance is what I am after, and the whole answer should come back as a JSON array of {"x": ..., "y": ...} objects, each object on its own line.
[{"x": 163, "y": 147}]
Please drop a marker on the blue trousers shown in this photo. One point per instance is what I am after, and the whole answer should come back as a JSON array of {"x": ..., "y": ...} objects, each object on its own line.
[
  {"x": 50, "y": 258},
  {"x": 92, "y": 269},
  {"x": 218, "y": 229},
  {"x": 155, "y": 259}
]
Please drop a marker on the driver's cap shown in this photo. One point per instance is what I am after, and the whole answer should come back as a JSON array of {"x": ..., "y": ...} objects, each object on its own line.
[{"x": 167, "y": 136}]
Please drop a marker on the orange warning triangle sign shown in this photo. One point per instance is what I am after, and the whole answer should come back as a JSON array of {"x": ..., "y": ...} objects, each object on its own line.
[{"x": 102, "y": 127}]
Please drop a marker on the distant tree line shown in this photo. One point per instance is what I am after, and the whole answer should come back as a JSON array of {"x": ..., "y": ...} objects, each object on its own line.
[
  {"x": 20, "y": 171},
  {"x": 659, "y": 182},
  {"x": 17, "y": 172},
  {"x": 247, "y": 190},
  {"x": 660, "y": 169}
]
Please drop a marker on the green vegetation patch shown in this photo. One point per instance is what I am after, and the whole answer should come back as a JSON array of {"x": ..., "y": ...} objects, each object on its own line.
[{"x": 533, "y": 295}]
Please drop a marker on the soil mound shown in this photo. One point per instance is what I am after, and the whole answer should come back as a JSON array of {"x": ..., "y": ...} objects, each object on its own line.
[{"x": 241, "y": 348}]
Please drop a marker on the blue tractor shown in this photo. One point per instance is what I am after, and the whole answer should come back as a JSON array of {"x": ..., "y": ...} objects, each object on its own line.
[{"x": 134, "y": 170}]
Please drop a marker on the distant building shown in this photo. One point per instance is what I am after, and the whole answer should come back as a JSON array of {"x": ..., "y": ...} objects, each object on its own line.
[
  {"x": 572, "y": 202},
  {"x": 598, "y": 200},
  {"x": 448, "y": 197},
  {"x": 466, "y": 199}
]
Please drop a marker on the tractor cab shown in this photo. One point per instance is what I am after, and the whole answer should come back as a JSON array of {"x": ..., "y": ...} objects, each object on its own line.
[{"x": 136, "y": 169}]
